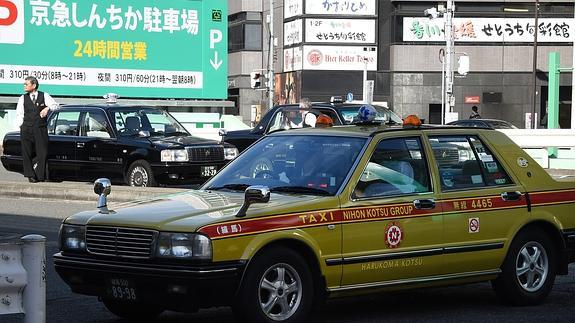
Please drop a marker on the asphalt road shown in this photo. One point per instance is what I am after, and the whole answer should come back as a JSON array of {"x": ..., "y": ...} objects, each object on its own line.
[{"x": 469, "y": 303}]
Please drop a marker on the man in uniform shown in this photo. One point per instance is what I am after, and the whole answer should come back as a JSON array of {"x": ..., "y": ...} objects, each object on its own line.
[{"x": 31, "y": 114}]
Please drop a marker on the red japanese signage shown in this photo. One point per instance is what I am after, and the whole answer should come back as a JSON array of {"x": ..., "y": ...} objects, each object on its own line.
[{"x": 472, "y": 99}]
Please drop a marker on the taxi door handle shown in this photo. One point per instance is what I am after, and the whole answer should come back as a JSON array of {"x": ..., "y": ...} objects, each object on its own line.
[
  {"x": 80, "y": 145},
  {"x": 424, "y": 204},
  {"x": 511, "y": 196}
]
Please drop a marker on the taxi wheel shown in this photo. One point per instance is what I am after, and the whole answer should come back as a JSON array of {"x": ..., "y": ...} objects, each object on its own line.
[
  {"x": 132, "y": 311},
  {"x": 140, "y": 174},
  {"x": 528, "y": 270},
  {"x": 277, "y": 287}
]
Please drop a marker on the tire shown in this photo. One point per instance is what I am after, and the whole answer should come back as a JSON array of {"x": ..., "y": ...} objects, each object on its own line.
[
  {"x": 277, "y": 287},
  {"x": 529, "y": 269},
  {"x": 132, "y": 311},
  {"x": 140, "y": 174}
]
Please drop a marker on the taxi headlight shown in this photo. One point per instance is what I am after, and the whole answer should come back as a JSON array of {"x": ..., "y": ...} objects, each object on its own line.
[
  {"x": 230, "y": 153},
  {"x": 174, "y": 155},
  {"x": 184, "y": 245},
  {"x": 72, "y": 238}
]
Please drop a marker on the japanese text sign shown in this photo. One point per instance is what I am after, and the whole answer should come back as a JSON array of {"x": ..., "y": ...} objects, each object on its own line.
[
  {"x": 490, "y": 29},
  {"x": 341, "y": 7},
  {"x": 137, "y": 48},
  {"x": 340, "y": 31}
]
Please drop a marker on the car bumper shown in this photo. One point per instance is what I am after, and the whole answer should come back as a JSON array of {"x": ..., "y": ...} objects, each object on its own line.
[
  {"x": 11, "y": 163},
  {"x": 175, "y": 286},
  {"x": 183, "y": 173}
]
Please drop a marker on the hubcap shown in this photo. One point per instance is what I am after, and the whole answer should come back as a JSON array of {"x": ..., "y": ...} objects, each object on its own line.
[
  {"x": 139, "y": 176},
  {"x": 280, "y": 292},
  {"x": 532, "y": 266}
]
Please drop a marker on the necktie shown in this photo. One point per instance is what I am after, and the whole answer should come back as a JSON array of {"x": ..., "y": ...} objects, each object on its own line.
[{"x": 34, "y": 98}]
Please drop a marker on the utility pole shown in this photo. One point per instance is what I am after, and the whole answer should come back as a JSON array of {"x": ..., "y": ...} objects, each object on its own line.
[
  {"x": 449, "y": 55},
  {"x": 534, "y": 75},
  {"x": 271, "y": 57},
  {"x": 573, "y": 79}
]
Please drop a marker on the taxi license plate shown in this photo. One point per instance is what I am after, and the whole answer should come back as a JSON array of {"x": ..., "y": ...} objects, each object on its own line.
[
  {"x": 207, "y": 171},
  {"x": 121, "y": 289}
]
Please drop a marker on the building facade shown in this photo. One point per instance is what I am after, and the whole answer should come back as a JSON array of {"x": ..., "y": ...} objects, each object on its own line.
[{"x": 323, "y": 48}]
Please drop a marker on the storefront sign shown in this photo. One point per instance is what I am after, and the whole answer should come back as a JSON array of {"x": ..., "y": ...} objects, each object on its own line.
[
  {"x": 558, "y": 30},
  {"x": 340, "y": 31},
  {"x": 339, "y": 7},
  {"x": 292, "y": 8},
  {"x": 339, "y": 58},
  {"x": 293, "y": 32},
  {"x": 137, "y": 48},
  {"x": 293, "y": 59},
  {"x": 472, "y": 99}
]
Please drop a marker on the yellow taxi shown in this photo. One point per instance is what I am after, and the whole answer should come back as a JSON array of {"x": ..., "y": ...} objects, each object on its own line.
[{"x": 315, "y": 213}]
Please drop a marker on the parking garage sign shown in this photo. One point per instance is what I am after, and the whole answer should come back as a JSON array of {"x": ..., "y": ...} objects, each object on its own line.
[{"x": 137, "y": 48}]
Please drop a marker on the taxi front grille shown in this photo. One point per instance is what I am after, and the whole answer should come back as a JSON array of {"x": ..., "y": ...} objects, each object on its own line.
[
  {"x": 120, "y": 242},
  {"x": 205, "y": 153}
]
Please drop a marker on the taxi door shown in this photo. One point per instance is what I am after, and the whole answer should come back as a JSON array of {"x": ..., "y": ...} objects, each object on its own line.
[
  {"x": 482, "y": 204},
  {"x": 392, "y": 225},
  {"x": 97, "y": 150},
  {"x": 63, "y": 134}
]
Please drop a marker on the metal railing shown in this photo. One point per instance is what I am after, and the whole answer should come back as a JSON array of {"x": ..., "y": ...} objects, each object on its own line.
[{"x": 23, "y": 277}]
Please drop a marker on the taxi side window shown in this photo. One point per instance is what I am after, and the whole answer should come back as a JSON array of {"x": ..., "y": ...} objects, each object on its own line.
[
  {"x": 64, "y": 123},
  {"x": 397, "y": 167},
  {"x": 95, "y": 125},
  {"x": 464, "y": 162}
]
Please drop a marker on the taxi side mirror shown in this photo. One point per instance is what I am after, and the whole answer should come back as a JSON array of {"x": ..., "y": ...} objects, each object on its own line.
[{"x": 254, "y": 194}]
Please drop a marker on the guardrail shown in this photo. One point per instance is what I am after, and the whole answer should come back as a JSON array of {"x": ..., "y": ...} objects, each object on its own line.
[
  {"x": 551, "y": 148},
  {"x": 23, "y": 277}
]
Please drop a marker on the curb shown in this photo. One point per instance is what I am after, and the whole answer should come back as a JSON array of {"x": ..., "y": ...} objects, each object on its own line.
[{"x": 82, "y": 192}]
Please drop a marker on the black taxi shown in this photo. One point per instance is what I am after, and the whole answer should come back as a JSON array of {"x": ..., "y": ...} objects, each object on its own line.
[
  {"x": 137, "y": 145},
  {"x": 290, "y": 116}
]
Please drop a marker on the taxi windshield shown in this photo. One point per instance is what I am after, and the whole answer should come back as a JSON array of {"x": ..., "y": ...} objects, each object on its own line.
[
  {"x": 299, "y": 164},
  {"x": 130, "y": 122}
]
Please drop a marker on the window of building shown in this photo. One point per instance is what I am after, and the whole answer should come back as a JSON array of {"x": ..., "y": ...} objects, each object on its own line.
[{"x": 245, "y": 31}]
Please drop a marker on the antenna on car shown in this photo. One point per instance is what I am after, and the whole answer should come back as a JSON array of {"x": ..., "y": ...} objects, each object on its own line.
[{"x": 111, "y": 98}]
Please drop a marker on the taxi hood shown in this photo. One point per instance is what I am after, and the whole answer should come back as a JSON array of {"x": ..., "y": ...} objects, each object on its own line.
[{"x": 189, "y": 211}]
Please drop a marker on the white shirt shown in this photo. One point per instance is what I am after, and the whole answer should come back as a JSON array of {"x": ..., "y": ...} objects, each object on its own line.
[{"x": 48, "y": 100}]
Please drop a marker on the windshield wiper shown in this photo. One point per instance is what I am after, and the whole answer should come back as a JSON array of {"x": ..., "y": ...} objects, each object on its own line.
[
  {"x": 300, "y": 189},
  {"x": 232, "y": 187}
]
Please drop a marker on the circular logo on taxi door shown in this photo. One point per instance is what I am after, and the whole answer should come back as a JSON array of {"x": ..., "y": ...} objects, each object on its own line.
[
  {"x": 522, "y": 162},
  {"x": 393, "y": 235}
]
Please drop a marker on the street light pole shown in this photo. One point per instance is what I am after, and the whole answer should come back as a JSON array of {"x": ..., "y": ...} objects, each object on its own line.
[{"x": 271, "y": 57}]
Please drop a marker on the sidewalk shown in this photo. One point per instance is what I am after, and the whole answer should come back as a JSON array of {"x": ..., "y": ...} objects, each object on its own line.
[{"x": 79, "y": 191}]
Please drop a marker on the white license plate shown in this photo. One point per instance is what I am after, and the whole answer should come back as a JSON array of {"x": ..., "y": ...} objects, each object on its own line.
[
  {"x": 207, "y": 171},
  {"x": 121, "y": 289}
]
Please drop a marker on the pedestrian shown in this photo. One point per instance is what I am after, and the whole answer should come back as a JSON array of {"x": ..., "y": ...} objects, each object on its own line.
[
  {"x": 474, "y": 113},
  {"x": 31, "y": 116}
]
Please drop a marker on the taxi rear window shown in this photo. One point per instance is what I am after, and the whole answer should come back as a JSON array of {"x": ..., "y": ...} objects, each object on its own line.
[{"x": 465, "y": 162}]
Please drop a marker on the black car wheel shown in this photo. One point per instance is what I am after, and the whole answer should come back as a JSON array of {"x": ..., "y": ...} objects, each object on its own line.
[
  {"x": 132, "y": 311},
  {"x": 140, "y": 174},
  {"x": 277, "y": 287},
  {"x": 528, "y": 270}
]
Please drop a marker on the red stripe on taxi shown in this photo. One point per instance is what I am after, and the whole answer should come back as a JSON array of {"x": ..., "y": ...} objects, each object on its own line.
[{"x": 552, "y": 197}]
